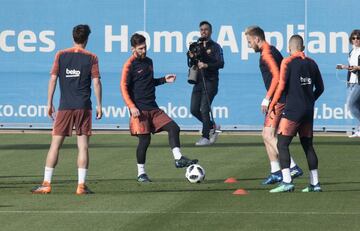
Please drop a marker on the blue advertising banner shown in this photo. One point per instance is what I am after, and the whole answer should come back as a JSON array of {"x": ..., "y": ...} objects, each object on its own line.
[{"x": 32, "y": 31}]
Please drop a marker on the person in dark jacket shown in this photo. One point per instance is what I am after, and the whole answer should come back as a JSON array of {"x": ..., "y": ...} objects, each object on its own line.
[{"x": 210, "y": 61}]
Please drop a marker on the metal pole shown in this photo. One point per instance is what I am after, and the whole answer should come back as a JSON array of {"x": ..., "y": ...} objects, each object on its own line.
[{"x": 207, "y": 98}]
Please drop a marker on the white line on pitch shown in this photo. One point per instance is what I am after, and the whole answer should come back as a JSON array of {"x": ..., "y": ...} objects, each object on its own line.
[{"x": 169, "y": 212}]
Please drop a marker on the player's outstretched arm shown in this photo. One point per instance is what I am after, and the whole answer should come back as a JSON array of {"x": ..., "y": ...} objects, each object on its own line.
[{"x": 170, "y": 78}]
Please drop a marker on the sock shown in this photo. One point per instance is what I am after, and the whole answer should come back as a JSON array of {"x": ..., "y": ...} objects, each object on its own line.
[
  {"x": 81, "y": 175},
  {"x": 48, "y": 174},
  {"x": 292, "y": 162},
  {"x": 286, "y": 175},
  {"x": 141, "y": 169},
  {"x": 176, "y": 152},
  {"x": 314, "y": 177},
  {"x": 275, "y": 166}
]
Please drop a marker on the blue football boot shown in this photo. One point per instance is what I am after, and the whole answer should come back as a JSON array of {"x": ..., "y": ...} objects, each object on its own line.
[
  {"x": 273, "y": 178},
  {"x": 296, "y": 172}
]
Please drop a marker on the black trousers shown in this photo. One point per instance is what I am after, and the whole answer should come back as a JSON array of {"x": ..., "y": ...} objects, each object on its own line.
[{"x": 200, "y": 107}]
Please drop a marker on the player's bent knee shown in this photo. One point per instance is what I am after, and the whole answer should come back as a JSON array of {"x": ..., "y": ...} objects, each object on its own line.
[
  {"x": 175, "y": 129},
  {"x": 268, "y": 136},
  {"x": 283, "y": 142},
  {"x": 144, "y": 140}
]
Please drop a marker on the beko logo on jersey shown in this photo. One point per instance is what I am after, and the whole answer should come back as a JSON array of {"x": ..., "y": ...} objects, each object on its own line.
[
  {"x": 305, "y": 80},
  {"x": 72, "y": 73}
]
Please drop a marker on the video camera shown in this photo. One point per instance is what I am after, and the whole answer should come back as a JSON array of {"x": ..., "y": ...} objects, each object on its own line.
[
  {"x": 195, "y": 51},
  {"x": 194, "y": 56}
]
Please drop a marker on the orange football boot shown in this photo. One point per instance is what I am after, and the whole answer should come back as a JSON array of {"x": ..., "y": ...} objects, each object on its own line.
[
  {"x": 83, "y": 189},
  {"x": 44, "y": 188}
]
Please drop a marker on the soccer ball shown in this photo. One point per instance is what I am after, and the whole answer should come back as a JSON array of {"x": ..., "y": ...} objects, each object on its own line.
[{"x": 195, "y": 173}]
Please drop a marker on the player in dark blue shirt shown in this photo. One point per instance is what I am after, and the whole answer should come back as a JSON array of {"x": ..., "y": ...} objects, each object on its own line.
[
  {"x": 75, "y": 68},
  {"x": 269, "y": 63},
  {"x": 138, "y": 91},
  {"x": 302, "y": 83}
]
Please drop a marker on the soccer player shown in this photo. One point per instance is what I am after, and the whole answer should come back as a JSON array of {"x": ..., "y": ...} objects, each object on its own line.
[
  {"x": 302, "y": 83},
  {"x": 75, "y": 68},
  {"x": 138, "y": 91},
  {"x": 270, "y": 60}
]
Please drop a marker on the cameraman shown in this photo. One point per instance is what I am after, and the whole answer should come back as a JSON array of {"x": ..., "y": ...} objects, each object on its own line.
[{"x": 207, "y": 56}]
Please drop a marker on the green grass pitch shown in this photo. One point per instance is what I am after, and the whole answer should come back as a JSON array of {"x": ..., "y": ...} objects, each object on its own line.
[{"x": 170, "y": 202}]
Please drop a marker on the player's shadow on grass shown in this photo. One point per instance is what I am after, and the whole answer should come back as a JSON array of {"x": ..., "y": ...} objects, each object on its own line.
[
  {"x": 21, "y": 176},
  {"x": 12, "y": 187}
]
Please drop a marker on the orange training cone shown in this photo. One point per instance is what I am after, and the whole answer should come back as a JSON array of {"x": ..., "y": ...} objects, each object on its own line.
[
  {"x": 240, "y": 192},
  {"x": 230, "y": 180}
]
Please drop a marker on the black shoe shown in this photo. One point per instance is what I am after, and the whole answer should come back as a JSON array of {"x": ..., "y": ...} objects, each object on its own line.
[
  {"x": 185, "y": 162},
  {"x": 143, "y": 178}
]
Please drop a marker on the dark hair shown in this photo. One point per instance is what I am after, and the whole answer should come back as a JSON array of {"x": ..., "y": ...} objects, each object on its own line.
[
  {"x": 137, "y": 39},
  {"x": 81, "y": 33},
  {"x": 354, "y": 32},
  {"x": 205, "y": 23},
  {"x": 255, "y": 31},
  {"x": 299, "y": 40}
]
